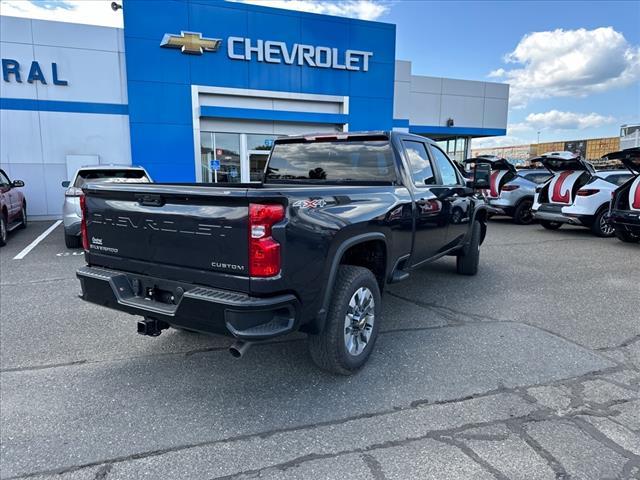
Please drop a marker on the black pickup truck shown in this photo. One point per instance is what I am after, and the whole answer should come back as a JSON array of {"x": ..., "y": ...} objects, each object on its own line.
[{"x": 310, "y": 248}]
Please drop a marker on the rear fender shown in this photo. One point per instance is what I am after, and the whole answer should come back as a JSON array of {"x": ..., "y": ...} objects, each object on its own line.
[{"x": 319, "y": 322}]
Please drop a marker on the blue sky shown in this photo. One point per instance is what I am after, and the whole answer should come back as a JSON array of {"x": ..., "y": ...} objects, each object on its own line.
[{"x": 573, "y": 66}]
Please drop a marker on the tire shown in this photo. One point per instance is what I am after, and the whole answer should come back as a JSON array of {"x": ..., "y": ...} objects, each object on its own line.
[
  {"x": 23, "y": 212},
  {"x": 3, "y": 230},
  {"x": 72, "y": 241},
  {"x": 523, "y": 214},
  {"x": 627, "y": 237},
  {"x": 335, "y": 349},
  {"x": 550, "y": 225},
  {"x": 468, "y": 259},
  {"x": 600, "y": 227}
]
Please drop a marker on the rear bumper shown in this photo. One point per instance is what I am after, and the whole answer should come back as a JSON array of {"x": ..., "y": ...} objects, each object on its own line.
[
  {"x": 554, "y": 213},
  {"x": 190, "y": 306}
]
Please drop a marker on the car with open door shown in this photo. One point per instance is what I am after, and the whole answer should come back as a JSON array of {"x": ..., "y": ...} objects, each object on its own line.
[
  {"x": 576, "y": 194},
  {"x": 511, "y": 191},
  {"x": 13, "y": 207},
  {"x": 71, "y": 213},
  {"x": 624, "y": 214}
]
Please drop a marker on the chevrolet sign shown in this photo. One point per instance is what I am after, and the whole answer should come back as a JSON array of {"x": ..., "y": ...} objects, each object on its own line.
[{"x": 240, "y": 48}]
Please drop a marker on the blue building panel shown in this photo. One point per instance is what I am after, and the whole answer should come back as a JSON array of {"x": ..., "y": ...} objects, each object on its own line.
[{"x": 160, "y": 79}]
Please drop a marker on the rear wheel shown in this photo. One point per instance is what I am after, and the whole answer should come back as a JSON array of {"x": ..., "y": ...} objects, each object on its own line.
[
  {"x": 627, "y": 237},
  {"x": 550, "y": 225},
  {"x": 468, "y": 259},
  {"x": 72, "y": 241},
  {"x": 601, "y": 226},
  {"x": 3, "y": 230},
  {"x": 352, "y": 322},
  {"x": 523, "y": 215}
]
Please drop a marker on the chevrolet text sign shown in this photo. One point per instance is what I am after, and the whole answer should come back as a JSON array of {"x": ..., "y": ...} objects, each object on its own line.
[{"x": 240, "y": 48}]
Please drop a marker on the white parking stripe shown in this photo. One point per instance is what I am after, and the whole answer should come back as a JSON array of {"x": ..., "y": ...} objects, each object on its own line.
[{"x": 33, "y": 244}]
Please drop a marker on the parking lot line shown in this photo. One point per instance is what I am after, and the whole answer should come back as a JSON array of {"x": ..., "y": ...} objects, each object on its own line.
[{"x": 33, "y": 244}]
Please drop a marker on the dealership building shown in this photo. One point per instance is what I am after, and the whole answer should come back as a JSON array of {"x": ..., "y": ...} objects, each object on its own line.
[{"x": 190, "y": 87}]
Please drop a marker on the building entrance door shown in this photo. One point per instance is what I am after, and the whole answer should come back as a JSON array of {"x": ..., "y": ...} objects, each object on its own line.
[{"x": 241, "y": 157}]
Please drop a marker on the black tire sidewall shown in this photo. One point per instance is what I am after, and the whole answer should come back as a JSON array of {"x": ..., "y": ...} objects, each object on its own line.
[
  {"x": 523, "y": 205},
  {"x": 337, "y": 359},
  {"x": 595, "y": 226},
  {"x": 3, "y": 229},
  {"x": 468, "y": 260},
  {"x": 365, "y": 279}
]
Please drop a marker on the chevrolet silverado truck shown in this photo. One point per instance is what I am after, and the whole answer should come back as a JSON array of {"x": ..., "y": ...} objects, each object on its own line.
[{"x": 310, "y": 248}]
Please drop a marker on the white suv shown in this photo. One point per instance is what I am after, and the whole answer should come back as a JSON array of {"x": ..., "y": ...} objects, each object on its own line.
[{"x": 576, "y": 194}]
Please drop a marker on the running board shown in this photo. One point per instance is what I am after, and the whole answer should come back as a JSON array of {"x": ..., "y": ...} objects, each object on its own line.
[{"x": 399, "y": 276}]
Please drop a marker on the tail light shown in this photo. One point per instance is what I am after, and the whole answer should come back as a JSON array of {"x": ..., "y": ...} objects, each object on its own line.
[
  {"x": 510, "y": 188},
  {"x": 83, "y": 223},
  {"x": 586, "y": 192},
  {"x": 264, "y": 251},
  {"x": 73, "y": 192}
]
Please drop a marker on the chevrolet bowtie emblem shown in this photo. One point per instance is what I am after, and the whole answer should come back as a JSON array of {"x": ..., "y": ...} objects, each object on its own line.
[{"x": 190, "y": 42}]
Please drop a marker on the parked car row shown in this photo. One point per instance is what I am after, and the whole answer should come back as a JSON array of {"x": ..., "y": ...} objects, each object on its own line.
[{"x": 569, "y": 190}]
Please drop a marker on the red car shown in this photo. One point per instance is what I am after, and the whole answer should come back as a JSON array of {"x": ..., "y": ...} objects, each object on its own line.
[{"x": 13, "y": 207}]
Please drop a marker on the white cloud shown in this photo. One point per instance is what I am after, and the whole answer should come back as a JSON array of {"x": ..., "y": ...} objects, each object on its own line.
[
  {"x": 362, "y": 9},
  {"x": 92, "y": 12},
  {"x": 552, "y": 122},
  {"x": 562, "y": 63},
  {"x": 556, "y": 120}
]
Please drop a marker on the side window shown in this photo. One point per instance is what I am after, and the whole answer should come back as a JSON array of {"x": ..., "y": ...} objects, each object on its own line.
[
  {"x": 421, "y": 171},
  {"x": 447, "y": 170}
]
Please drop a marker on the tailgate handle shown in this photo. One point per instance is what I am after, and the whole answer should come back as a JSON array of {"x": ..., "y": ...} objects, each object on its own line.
[{"x": 151, "y": 200}]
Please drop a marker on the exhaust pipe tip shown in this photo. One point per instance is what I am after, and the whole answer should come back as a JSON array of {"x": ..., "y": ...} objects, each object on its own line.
[{"x": 239, "y": 348}]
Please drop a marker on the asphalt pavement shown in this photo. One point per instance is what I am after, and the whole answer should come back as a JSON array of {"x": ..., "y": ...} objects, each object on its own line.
[{"x": 530, "y": 370}]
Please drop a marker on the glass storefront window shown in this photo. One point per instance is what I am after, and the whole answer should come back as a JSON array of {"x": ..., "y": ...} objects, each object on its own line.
[
  {"x": 227, "y": 151},
  {"x": 236, "y": 152},
  {"x": 260, "y": 142}
]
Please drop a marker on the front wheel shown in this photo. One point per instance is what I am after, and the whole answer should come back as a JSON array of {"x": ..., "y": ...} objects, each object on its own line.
[
  {"x": 3, "y": 230},
  {"x": 23, "y": 216},
  {"x": 468, "y": 259},
  {"x": 601, "y": 226},
  {"x": 550, "y": 225},
  {"x": 352, "y": 323}
]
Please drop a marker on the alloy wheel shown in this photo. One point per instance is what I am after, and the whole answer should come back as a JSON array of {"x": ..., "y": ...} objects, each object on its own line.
[
  {"x": 358, "y": 322},
  {"x": 605, "y": 227}
]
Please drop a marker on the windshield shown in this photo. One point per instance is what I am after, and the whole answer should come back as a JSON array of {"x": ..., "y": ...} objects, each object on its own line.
[
  {"x": 368, "y": 160},
  {"x": 120, "y": 176}
]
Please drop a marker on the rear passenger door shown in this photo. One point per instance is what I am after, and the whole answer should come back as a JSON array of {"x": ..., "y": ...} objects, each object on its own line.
[
  {"x": 455, "y": 196},
  {"x": 430, "y": 223}
]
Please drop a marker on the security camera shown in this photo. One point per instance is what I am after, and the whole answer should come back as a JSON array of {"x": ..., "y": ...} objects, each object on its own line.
[{"x": 115, "y": 6}]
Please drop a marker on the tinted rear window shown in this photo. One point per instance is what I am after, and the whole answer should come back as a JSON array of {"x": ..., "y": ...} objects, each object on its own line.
[
  {"x": 617, "y": 178},
  {"x": 95, "y": 176},
  {"x": 537, "y": 177},
  {"x": 359, "y": 161}
]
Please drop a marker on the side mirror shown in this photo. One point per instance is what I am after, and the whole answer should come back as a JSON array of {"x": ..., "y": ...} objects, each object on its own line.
[
  {"x": 66, "y": 184},
  {"x": 17, "y": 183},
  {"x": 481, "y": 176}
]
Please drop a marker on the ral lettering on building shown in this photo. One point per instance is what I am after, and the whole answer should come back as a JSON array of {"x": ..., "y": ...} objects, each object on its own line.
[{"x": 13, "y": 72}]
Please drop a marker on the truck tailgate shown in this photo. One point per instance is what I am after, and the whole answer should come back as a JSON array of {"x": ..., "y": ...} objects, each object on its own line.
[{"x": 192, "y": 227}]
